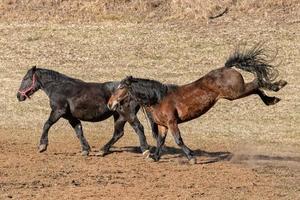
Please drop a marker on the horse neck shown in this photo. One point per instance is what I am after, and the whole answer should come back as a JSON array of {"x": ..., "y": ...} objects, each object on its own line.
[
  {"x": 171, "y": 87},
  {"x": 148, "y": 93},
  {"x": 47, "y": 79},
  {"x": 111, "y": 86}
]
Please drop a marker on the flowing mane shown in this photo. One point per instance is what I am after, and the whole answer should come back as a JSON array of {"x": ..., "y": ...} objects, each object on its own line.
[
  {"x": 51, "y": 75},
  {"x": 148, "y": 92}
]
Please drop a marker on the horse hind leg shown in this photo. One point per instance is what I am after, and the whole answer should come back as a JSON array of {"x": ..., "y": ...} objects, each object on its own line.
[
  {"x": 241, "y": 91},
  {"x": 276, "y": 86},
  {"x": 253, "y": 88},
  {"x": 76, "y": 124},
  {"x": 119, "y": 124},
  {"x": 266, "y": 99}
]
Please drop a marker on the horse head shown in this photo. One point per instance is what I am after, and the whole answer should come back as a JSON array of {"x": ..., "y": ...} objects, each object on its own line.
[{"x": 29, "y": 85}]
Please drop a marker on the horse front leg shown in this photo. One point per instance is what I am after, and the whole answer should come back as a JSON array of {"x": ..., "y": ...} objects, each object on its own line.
[
  {"x": 154, "y": 128},
  {"x": 76, "y": 124},
  {"x": 139, "y": 130},
  {"x": 178, "y": 139},
  {"x": 55, "y": 115},
  {"x": 160, "y": 141},
  {"x": 129, "y": 111}
]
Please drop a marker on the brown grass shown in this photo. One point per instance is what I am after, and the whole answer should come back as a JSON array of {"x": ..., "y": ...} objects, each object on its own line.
[{"x": 138, "y": 10}]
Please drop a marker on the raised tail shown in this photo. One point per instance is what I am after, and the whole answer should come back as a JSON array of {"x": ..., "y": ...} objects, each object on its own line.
[{"x": 256, "y": 61}]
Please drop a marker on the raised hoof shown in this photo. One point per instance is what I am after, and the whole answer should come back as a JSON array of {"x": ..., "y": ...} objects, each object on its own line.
[
  {"x": 42, "y": 148},
  {"x": 101, "y": 153},
  {"x": 146, "y": 153},
  {"x": 85, "y": 153},
  {"x": 281, "y": 84},
  {"x": 276, "y": 100},
  {"x": 193, "y": 161},
  {"x": 273, "y": 101},
  {"x": 277, "y": 85}
]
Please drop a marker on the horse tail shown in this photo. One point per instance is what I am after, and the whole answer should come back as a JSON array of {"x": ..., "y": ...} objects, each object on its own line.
[{"x": 255, "y": 61}]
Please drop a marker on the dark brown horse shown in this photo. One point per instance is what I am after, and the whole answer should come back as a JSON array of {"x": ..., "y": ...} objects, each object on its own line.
[
  {"x": 192, "y": 100},
  {"x": 76, "y": 100}
]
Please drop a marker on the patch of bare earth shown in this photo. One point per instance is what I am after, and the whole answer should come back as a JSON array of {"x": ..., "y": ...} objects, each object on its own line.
[
  {"x": 245, "y": 150},
  {"x": 62, "y": 173}
]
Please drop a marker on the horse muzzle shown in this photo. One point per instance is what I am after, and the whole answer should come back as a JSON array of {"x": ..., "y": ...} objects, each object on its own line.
[
  {"x": 21, "y": 97},
  {"x": 113, "y": 106}
]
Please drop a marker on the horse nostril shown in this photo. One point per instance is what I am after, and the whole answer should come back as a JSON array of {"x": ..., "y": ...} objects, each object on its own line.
[{"x": 18, "y": 96}]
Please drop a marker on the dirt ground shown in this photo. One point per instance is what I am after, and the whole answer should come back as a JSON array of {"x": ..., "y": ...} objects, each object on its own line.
[
  {"x": 245, "y": 150},
  {"x": 62, "y": 173}
]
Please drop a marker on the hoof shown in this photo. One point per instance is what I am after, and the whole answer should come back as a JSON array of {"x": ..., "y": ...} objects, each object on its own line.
[
  {"x": 101, "y": 153},
  {"x": 281, "y": 84},
  {"x": 85, "y": 153},
  {"x": 42, "y": 148},
  {"x": 276, "y": 100},
  {"x": 146, "y": 154},
  {"x": 273, "y": 101},
  {"x": 193, "y": 161},
  {"x": 152, "y": 158},
  {"x": 149, "y": 159},
  {"x": 277, "y": 85}
]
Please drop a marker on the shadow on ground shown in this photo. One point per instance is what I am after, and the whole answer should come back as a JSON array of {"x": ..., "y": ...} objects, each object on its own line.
[{"x": 207, "y": 157}]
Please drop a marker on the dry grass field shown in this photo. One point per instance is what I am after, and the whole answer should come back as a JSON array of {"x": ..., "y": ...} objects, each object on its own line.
[{"x": 172, "y": 44}]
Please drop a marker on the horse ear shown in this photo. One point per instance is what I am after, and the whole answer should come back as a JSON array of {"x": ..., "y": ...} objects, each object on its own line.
[
  {"x": 128, "y": 80},
  {"x": 33, "y": 69}
]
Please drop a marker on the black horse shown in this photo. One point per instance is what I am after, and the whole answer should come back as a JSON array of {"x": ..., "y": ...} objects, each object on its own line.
[{"x": 75, "y": 100}]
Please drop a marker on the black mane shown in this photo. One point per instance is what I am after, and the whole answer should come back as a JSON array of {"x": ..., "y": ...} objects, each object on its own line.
[
  {"x": 148, "y": 92},
  {"x": 51, "y": 75}
]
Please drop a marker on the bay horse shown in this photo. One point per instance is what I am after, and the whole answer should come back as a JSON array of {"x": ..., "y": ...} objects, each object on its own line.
[
  {"x": 192, "y": 100},
  {"x": 76, "y": 100}
]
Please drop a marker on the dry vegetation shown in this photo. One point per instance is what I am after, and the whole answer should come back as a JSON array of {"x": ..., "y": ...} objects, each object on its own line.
[
  {"x": 140, "y": 10},
  {"x": 171, "y": 41}
]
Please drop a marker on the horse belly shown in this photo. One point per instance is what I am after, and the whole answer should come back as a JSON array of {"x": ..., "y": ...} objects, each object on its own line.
[
  {"x": 90, "y": 110},
  {"x": 194, "y": 107},
  {"x": 92, "y": 114}
]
